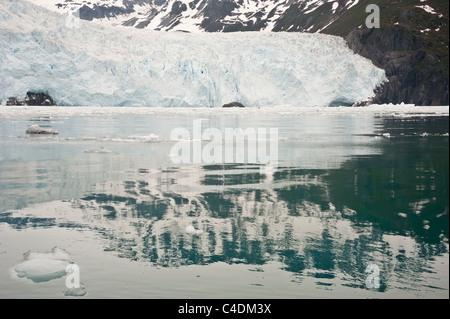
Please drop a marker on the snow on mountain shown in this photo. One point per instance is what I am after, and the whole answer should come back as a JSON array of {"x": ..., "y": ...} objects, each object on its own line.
[
  {"x": 199, "y": 15},
  {"x": 89, "y": 64},
  {"x": 172, "y": 15}
]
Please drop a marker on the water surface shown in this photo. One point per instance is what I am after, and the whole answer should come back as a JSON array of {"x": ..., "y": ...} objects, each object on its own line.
[{"x": 352, "y": 188}]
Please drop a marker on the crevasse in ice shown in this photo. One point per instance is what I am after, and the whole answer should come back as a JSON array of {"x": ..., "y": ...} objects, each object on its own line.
[{"x": 86, "y": 64}]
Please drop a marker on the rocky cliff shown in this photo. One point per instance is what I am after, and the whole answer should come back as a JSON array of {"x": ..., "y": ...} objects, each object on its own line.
[
  {"x": 415, "y": 75},
  {"x": 411, "y": 45}
]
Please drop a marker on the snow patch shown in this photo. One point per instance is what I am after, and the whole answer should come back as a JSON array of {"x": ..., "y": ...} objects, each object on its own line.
[{"x": 427, "y": 8}]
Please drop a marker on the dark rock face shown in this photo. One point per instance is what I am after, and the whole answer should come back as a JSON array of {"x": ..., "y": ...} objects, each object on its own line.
[
  {"x": 413, "y": 73},
  {"x": 178, "y": 7},
  {"x": 39, "y": 99},
  {"x": 101, "y": 12},
  {"x": 14, "y": 101},
  {"x": 233, "y": 104},
  {"x": 32, "y": 99}
]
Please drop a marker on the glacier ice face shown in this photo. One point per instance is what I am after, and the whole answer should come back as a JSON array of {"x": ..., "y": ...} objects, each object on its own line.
[{"x": 96, "y": 65}]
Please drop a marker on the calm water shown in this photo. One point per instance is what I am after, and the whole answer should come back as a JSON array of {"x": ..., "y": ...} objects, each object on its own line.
[{"x": 351, "y": 189}]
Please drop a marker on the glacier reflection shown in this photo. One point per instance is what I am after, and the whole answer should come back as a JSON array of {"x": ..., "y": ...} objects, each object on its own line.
[
  {"x": 384, "y": 204},
  {"x": 324, "y": 223}
]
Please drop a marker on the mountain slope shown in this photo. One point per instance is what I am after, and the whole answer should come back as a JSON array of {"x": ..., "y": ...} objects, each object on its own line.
[
  {"x": 411, "y": 46},
  {"x": 209, "y": 15}
]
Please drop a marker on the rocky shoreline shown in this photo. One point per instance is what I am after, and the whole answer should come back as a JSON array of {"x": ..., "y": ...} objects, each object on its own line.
[{"x": 31, "y": 99}]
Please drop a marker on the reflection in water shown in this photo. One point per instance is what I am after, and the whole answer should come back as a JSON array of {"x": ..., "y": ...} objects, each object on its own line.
[
  {"x": 390, "y": 209},
  {"x": 316, "y": 227}
]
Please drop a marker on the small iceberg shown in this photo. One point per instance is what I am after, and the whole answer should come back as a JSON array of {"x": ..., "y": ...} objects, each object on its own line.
[
  {"x": 36, "y": 129},
  {"x": 41, "y": 267},
  {"x": 144, "y": 138},
  {"x": 101, "y": 150}
]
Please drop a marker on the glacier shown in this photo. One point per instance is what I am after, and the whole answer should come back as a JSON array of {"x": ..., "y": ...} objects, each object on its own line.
[{"x": 86, "y": 64}]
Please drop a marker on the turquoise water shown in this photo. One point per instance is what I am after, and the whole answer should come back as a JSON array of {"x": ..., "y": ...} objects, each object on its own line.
[{"x": 350, "y": 190}]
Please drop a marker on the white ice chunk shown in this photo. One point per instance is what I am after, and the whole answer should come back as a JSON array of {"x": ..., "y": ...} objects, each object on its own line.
[
  {"x": 145, "y": 138},
  {"x": 41, "y": 267},
  {"x": 100, "y": 150},
  {"x": 36, "y": 129}
]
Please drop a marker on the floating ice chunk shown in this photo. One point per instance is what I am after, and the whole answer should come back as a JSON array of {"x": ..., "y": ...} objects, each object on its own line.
[
  {"x": 41, "y": 267},
  {"x": 386, "y": 135},
  {"x": 100, "y": 150},
  {"x": 191, "y": 230},
  {"x": 131, "y": 139},
  {"x": 402, "y": 215},
  {"x": 36, "y": 129},
  {"x": 144, "y": 138}
]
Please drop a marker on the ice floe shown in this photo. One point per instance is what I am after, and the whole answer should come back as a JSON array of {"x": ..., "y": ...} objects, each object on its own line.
[
  {"x": 36, "y": 129},
  {"x": 43, "y": 266}
]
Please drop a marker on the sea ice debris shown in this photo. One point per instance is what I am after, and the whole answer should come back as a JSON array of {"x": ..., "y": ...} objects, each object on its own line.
[
  {"x": 41, "y": 267},
  {"x": 36, "y": 129}
]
